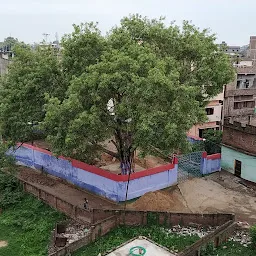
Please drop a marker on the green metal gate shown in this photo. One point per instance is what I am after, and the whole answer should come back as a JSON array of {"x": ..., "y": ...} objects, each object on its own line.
[{"x": 189, "y": 166}]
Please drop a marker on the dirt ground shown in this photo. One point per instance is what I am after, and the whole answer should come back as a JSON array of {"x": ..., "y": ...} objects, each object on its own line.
[
  {"x": 62, "y": 189},
  {"x": 3, "y": 244},
  {"x": 110, "y": 163},
  {"x": 222, "y": 193}
]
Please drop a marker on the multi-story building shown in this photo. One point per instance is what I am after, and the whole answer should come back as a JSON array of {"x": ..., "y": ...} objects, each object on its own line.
[
  {"x": 233, "y": 50},
  {"x": 239, "y": 129},
  {"x": 214, "y": 115}
]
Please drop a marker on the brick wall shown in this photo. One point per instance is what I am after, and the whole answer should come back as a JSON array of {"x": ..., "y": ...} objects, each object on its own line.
[
  {"x": 69, "y": 209},
  {"x": 219, "y": 236},
  {"x": 96, "y": 231},
  {"x": 242, "y": 138},
  {"x": 137, "y": 218}
]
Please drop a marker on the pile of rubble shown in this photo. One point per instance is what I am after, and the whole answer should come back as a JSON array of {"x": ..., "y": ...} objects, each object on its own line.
[
  {"x": 190, "y": 231},
  {"x": 65, "y": 234},
  {"x": 242, "y": 235},
  {"x": 74, "y": 232}
]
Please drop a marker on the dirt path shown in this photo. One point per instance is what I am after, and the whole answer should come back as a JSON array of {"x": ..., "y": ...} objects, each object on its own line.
[{"x": 65, "y": 191}]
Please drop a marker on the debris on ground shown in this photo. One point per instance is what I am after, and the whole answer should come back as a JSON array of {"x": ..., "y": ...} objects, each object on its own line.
[
  {"x": 190, "y": 231},
  {"x": 73, "y": 232},
  {"x": 242, "y": 237}
]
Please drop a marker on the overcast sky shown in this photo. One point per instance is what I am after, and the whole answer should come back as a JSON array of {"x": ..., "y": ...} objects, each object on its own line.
[{"x": 232, "y": 20}]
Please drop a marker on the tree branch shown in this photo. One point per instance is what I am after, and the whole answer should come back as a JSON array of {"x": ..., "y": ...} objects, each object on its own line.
[{"x": 109, "y": 152}]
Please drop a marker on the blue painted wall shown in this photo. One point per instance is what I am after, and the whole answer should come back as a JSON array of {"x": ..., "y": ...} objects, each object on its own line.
[
  {"x": 248, "y": 167},
  {"x": 210, "y": 165},
  {"x": 114, "y": 190}
]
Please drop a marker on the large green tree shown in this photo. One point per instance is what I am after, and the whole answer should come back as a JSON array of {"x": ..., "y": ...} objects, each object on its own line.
[
  {"x": 145, "y": 87},
  {"x": 32, "y": 74}
]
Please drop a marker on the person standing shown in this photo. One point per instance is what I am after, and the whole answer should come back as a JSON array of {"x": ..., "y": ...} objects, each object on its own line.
[{"x": 86, "y": 202}]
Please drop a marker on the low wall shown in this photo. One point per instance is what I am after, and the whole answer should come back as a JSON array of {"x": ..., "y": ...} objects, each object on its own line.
[
  {"x": 96, "y": 231},
  {"x": 219, "y": 236},
  {"x": 73, "y": 211},
  {"x": 138, "y": 218},
  {"x": 95, "y": 179},
  {"x": 210, "y": 163}
]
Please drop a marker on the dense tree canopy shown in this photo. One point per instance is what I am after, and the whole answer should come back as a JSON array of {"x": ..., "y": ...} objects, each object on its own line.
[
  {"x": 22, "y": 91},
  {"x": 142, "y": 86},
  {"x": 154, "y": 79}
]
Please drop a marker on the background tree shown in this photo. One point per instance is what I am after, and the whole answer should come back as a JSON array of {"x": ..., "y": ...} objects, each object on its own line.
[
  {"x": 9, "y": 41},
  {"x": 22, "y": 91},
  {"x": 212, "y": 143},
  {"x": 155, "y": 80}
]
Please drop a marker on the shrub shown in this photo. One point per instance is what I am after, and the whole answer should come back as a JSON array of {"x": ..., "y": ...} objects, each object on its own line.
[
  {"x": 253, "y": 235},
  {"x": 10, "y": 190}
]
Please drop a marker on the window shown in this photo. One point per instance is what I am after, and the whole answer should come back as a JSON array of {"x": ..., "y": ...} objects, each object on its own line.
[
  {"x": 246, "y": 83},
  {"x": 238, "y": 84},
  {"x": 238, "y": 105},
  {"x": 209, "y": 111},
  {"x": 244, "y": 104},
  {"x": 243, "y": 97},
  {"x": 201, "y": 133}
]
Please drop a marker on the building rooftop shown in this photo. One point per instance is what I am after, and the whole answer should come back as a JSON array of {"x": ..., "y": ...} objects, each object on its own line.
[{"x": 151, "y": 248}]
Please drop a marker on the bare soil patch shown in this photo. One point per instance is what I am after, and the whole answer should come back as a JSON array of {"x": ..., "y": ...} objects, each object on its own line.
[
  {"x": 36, "y": 177},
  {"x": 110, "y": 163},
  {"x": 202, "y": 195},
  {"x": 3, "y": 244},
  {"x": 161, "y": 201}
]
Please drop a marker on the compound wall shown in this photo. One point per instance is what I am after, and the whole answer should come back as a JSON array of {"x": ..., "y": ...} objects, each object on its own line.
[
  {"x": 97, "y": 180},
  {"x": 210, "y": 163}
]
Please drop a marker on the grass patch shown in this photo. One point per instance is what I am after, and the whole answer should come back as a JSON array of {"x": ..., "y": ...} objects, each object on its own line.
[
  {"x": 27, "y": 227},
  {"x": 122, "y": 234},
  {"x": 232, "y": 249},
  {"x": 25, "y": 223}
]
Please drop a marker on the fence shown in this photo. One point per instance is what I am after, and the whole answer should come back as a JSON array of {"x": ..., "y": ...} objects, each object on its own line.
[
  {"x": 189, "y": 165},
  {"x": 94, "y": 179}
]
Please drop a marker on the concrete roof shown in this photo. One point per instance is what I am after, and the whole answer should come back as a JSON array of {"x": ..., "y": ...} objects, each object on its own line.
[{"x": 152, "y": 249}]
